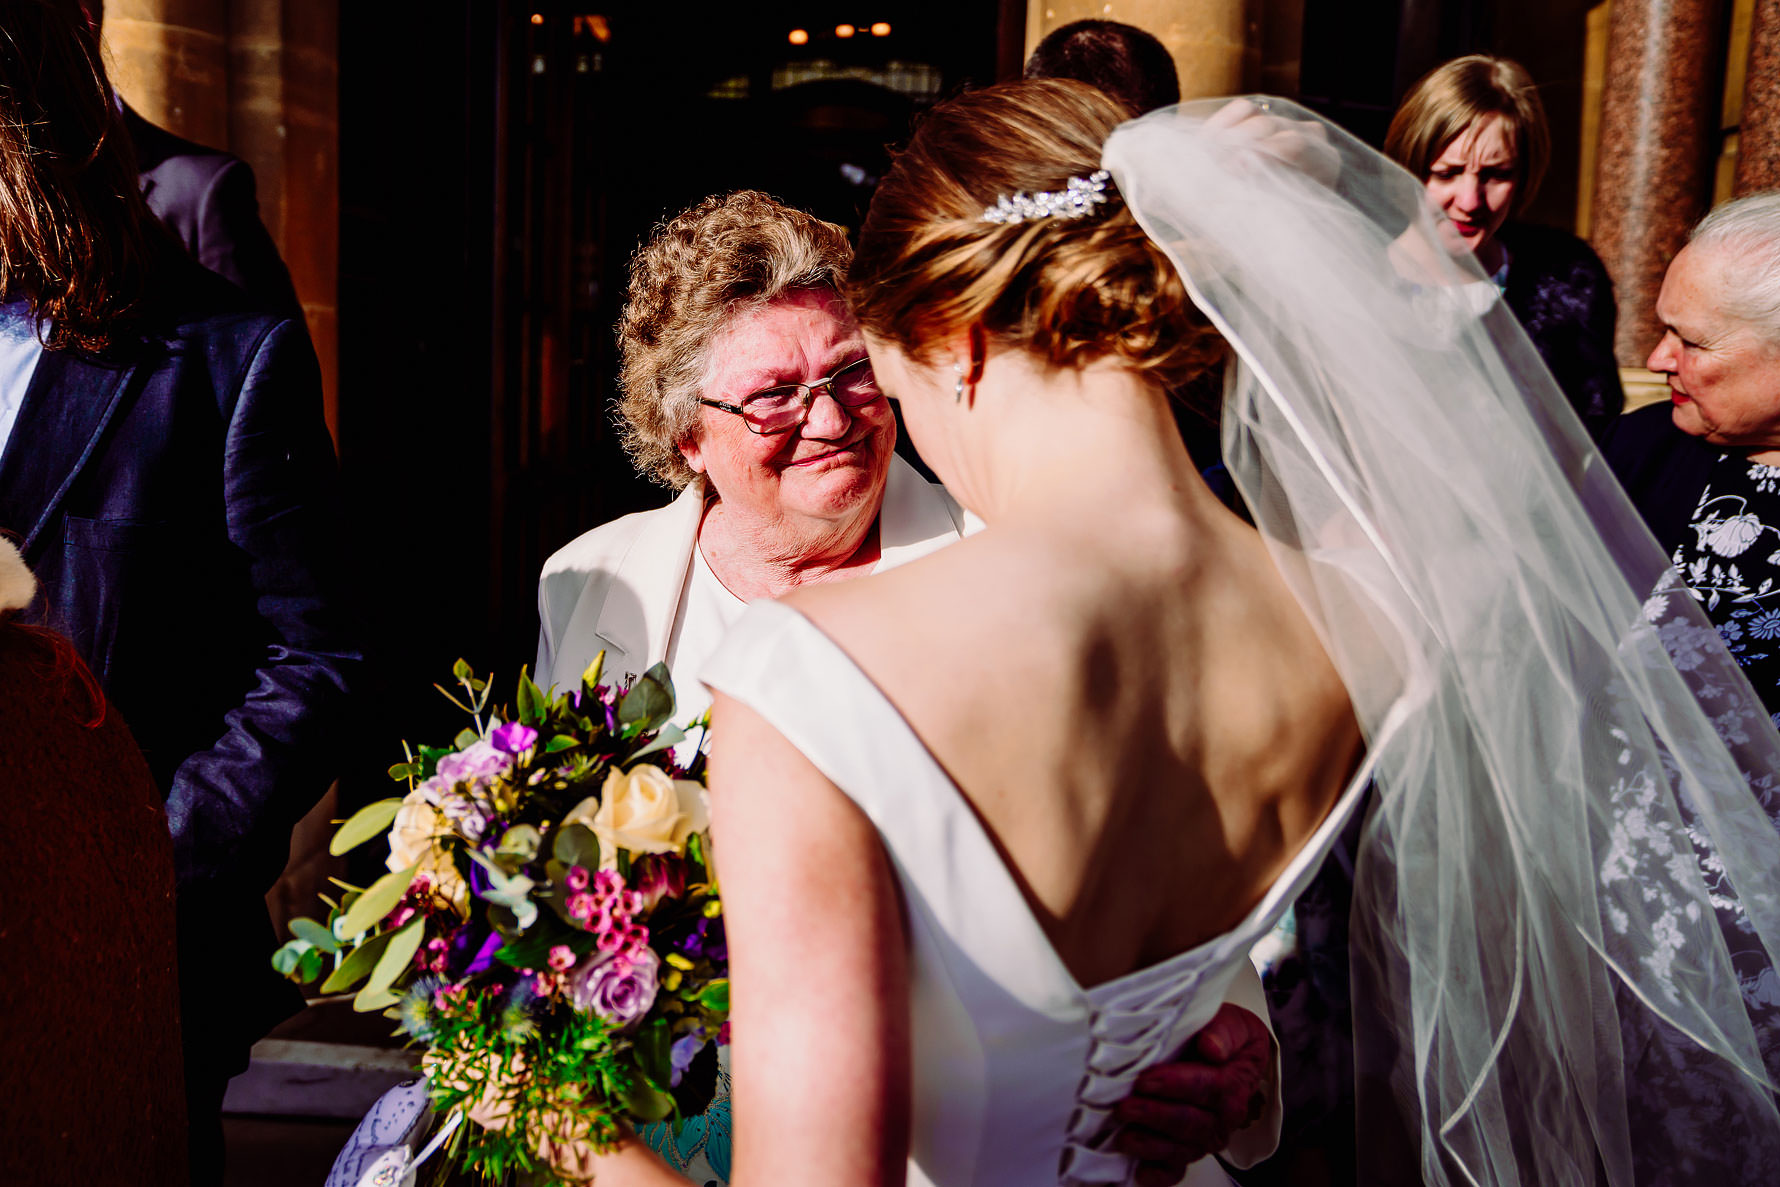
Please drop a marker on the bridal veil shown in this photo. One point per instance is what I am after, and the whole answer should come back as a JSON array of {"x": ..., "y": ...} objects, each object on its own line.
[{"x": 1569, "y": 869}]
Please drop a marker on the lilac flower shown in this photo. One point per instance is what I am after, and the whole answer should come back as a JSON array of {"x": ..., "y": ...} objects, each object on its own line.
[
  {"x": 483, "y": 960},
  {"x": 619, "y": 989},
  {"x": 513, "y": 738},
  {"x": 683, "y": 1052},
  {"x": 477, "y": 766}
]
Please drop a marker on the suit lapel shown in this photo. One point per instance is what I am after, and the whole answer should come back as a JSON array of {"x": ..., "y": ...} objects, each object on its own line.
[{"x": 69, "y": 403}]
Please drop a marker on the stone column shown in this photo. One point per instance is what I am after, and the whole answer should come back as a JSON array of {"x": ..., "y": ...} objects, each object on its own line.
[
  {"x": 284, "y": 120},
  {"x": 1758, "y": 149},
  {"x": 170, "y": 61},
  {"x": 1208, "y": 38},
  {"x": 1653, "y": 179}
]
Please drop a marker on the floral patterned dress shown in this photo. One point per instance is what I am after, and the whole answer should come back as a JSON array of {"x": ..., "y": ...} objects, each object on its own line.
[{"x": 1732, "y": 566}]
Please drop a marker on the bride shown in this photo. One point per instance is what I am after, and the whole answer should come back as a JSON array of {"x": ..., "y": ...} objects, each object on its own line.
[{"x": 1062, "y": 774}]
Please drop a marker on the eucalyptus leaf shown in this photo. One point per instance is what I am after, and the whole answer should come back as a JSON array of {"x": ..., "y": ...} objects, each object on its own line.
[
  {"x": 461, "y": 670},
  {"x": 560, "y": 743},
  {"x": 643, "y": 1101},
  {"x": 715, "y": 996},
  {"x": 670, "y": 735},
  {"x": 372, "y": 820},
  {"x": 309, "y": 967},
  {"x": 576, "y": 845},
  {"x": 397, "y": 955},
  {"x": 520, "y": 843},
  {"x": 403, "y": 771},
  {"x": 466, "y": 738},
  {"x": 532, "y": 704},
  {"x": 378, "y": 901},
  {"x": 289, "y": 957},
  {"x": 367, "y": 1002},
  {"x": 357, "y": 965},
  {"x": 315, "y": 933},
  {"x": 650, "y": 701}
]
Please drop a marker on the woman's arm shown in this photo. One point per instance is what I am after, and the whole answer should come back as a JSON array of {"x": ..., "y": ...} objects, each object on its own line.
[
  {"x": 819, "y": 1013},
  {"x": 818, "y": 965}
]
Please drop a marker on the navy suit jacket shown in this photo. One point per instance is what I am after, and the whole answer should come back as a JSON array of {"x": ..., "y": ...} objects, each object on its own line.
[
  {"x": 177, "y": 501},
  {"x": 207, "y": 198}
]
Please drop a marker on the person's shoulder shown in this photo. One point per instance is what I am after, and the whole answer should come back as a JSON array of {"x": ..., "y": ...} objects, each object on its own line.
[
  {"x": 157, "y": 149},
  {"x": 188, "y": 302},
  {"x": 599, "y": 548}
]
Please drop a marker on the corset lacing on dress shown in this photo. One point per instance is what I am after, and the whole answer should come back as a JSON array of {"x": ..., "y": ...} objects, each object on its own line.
[{"x": 1140, "y": 1022}]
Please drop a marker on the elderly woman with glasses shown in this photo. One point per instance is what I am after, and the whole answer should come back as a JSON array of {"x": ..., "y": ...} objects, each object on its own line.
[{"x": 746, "y": 387}]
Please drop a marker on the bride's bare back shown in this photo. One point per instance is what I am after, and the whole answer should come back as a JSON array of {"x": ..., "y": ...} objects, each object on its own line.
[{"x": 1137, "y": 708}]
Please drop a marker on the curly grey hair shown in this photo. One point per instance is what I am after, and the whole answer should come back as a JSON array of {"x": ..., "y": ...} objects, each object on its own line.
[{"x": 699, "y": 270}]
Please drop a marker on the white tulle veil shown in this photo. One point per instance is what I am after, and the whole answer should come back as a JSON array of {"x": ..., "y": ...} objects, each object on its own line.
[{"x": 1569, "y": 856}]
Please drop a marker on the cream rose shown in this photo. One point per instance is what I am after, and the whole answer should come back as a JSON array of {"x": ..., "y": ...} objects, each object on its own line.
[
  {"x": 414, "y": 841},
  {"x": 644, "y": 811}
]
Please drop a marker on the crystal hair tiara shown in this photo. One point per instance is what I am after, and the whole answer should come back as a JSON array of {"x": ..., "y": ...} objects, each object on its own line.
[{"x": 1077, "y": 200}]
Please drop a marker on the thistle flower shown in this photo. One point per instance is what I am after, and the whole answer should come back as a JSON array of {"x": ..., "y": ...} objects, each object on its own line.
[
  {"x": 418, "y": 1011},
  {"x": 519, "y": 1018}
]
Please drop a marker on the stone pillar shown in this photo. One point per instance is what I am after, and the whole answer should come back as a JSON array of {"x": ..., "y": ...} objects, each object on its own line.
[
  {"x": 258, "y": 78},
  {"x": 1758, "y": 149},
  {"x": 1208, "y": 38},
  {"x": 284, "y": 120},
  {"x": 1653, "y": 180}
]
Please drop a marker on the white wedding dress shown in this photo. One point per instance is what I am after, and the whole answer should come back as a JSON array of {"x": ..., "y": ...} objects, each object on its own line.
[{"x": 1015, "y": 1065}]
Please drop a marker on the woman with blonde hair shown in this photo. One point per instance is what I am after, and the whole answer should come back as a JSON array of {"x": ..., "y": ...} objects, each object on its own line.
[{"x": 1474, "y": 131}]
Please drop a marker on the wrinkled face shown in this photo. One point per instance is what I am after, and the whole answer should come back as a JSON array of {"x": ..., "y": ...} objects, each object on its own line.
[
  {"x": 831, "y": 467},
  {"x": 1724, "y": 374},
  {"x": 1472, "y": 182}
]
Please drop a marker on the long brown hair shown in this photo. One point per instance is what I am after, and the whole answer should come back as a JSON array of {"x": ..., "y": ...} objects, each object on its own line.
[{"x": 76, "y": 239}]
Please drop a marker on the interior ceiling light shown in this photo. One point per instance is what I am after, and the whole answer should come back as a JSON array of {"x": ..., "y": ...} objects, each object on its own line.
[
  {"x": 537, "y": 18},
  {"x": 799, "y": 37},
  {"x": 844, "y": 31},
  {"x": 880, "y": 29}
]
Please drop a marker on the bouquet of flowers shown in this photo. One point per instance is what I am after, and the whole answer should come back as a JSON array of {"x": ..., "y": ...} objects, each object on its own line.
[{"x": 549, "y": 929}]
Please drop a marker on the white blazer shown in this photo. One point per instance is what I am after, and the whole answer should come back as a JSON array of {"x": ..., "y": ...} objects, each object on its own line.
[{"x": 617, "y": 588}]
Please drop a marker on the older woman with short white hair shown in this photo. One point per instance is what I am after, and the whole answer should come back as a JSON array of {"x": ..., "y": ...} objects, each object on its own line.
[{"x": 746, "y": 387}]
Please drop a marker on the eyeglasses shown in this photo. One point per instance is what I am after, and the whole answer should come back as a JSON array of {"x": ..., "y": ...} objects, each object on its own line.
[{"x": 781, "y": 409}]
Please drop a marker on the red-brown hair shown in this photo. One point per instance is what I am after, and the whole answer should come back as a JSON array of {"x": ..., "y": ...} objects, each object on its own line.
[
  {"x": 1071, "y": 291},
  {"x": 76, "y": 238}
]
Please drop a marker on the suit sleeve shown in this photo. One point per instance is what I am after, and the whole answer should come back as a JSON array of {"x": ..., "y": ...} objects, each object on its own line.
[
  {"x": 231, "y": 807},
  {"x": 234, "y": 243}
]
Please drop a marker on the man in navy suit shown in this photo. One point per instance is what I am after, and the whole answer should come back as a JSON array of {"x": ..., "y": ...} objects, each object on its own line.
[{"x": 166, "y": 472}]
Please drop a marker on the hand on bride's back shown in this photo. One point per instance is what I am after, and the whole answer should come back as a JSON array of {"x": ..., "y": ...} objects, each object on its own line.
[{"x": 1182, "y": 1111}]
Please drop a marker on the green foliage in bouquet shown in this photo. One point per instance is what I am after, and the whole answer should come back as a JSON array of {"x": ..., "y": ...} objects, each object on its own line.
[{"x": 549, "y": 931}]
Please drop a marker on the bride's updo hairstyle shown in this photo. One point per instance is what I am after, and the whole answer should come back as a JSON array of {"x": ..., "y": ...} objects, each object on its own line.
[{"x": 929, "y": 266}]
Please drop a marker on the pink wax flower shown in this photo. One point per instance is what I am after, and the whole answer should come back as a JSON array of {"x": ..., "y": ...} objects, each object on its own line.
[
  {"x": 513, "y": 738},
  {"x": 546, "y": 983},
  {"x": 583, "y": 906},
  {"x": 561, "y": 957},
  {"x": 576, "y": 879},
  {"x": 619, "y": 989}
]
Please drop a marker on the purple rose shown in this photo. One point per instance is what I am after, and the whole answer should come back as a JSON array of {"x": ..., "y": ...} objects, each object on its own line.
[
  {"x": 513, "y": 737},
  {"x": 619, "y": 989}
]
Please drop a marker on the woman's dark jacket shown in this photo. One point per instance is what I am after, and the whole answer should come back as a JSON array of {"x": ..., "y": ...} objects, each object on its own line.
[{"x": 1561, "y": 293}]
